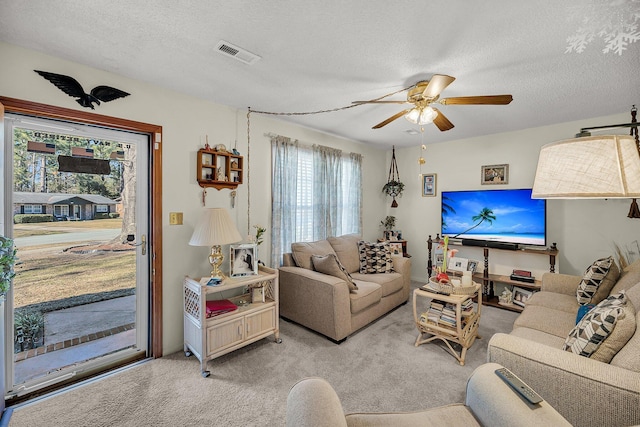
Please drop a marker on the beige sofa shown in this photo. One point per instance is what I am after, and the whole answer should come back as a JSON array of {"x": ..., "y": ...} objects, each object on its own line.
[
  {"x": 585, "y": 391},
  {"x": 489, "y": 401},
  {"x": 324, "y": 303}
]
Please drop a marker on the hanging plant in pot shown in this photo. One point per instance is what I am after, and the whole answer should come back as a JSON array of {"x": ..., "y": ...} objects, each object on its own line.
[{"x": 394, "y": 187}]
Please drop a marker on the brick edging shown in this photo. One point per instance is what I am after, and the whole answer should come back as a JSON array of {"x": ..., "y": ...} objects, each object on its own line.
[{"x": 72, "y": 342}]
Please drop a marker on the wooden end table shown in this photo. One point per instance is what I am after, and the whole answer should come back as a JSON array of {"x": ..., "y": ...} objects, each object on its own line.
[{"x": 466, "y": 326}]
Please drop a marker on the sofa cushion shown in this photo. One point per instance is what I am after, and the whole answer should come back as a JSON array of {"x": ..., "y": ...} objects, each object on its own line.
[
  {"x": 627, "y": 357},
  {"x": 562, "y": 302},
  {"x": 629, "y": 277},
  {"x": 365, "y": 296},
  {"x": 302, "y": 252},
  {"x": 539, "y": 337},
  {"x": 329, "y": 264},
  {"x": 346, "y": 247},
  {"x": 375, "y": 257},
  {"x": 604, "y": 330},
  {"x": 389, "y": 282},
  {"x": 597, "y": 281},
  {"x": 545, "y": 319}
]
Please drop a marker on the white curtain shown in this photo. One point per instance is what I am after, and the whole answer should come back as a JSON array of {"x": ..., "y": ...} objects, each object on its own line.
[
  {"x": 327, "y": 191},
  {"x": 284, "y": 196},
  {"x": 352, "y": 195},
  {"x": 316, "y": 193}
]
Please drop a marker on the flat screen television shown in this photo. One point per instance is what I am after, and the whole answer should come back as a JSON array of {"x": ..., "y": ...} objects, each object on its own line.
[{"x": 504, "y": 216}]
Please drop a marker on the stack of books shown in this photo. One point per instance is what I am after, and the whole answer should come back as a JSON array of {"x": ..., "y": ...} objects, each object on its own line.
[
  {"x": 448, "y": 317},
  {"x": 467, "y": 307},
  {"x": 218, "y": 307},
  {"x": 435, "y": 311}
]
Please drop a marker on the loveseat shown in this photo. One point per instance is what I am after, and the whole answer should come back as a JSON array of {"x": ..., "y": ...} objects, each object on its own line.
[
  {"x": 586, "y": 391},
  {"x": 489, "y": 401},
  {"x": 345, "y": 300}
]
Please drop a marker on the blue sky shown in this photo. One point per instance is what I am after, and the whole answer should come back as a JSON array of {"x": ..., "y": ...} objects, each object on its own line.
[{"x": 514, "y": 210}]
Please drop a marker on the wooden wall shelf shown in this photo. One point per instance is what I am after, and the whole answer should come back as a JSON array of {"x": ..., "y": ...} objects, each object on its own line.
[{"x": 219, "y": 169}]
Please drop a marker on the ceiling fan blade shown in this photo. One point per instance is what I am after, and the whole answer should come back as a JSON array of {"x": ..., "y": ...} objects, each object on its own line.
[
  {"x": 441, "y": 121},
  {"x": 478, "y": 100},
  {"x": 436, "y": 85},
  {"x": 392, "y": 118},
  {"x": 380, "y": 102}
]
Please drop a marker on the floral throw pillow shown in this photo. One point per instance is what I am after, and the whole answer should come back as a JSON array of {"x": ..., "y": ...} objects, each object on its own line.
[{"x": 375, "y": 257}]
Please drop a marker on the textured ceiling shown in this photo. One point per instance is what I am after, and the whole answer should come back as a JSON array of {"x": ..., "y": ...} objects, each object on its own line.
[{"x": 318, "y": 55}]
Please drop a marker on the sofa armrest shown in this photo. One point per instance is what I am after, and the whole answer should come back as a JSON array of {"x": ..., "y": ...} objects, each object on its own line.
[
  {"x": 586, "y": 392},
  {"x": 312, "y": 402},
  {"x": 402, "y": 265},
  {"x": 560, "y": 283},
  {"x": 315, "y": 300},
  {"x": 494, "y": 403}
]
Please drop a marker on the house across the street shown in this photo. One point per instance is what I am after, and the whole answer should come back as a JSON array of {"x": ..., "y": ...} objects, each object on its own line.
[{"x": 61, "y": 205}]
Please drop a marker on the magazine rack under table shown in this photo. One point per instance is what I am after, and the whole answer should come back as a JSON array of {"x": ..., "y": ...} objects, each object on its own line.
[{"x": 464, "y": 333}]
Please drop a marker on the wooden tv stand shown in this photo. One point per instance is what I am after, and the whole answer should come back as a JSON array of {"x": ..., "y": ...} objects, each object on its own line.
[{"x": 488, "y": 280}]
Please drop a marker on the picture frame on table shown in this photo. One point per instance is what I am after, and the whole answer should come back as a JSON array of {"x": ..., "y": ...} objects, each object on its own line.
[
  {"x": 396, "y": 249},
  {"x": 243, "y": 260},
  {"x": 494, "y": 174},
  {"x": 472, "y": 265},
  {"x": 392, "y": 235},
  {"x": 520, "y": 296},
  {"x": 457, "y": 264},
  {"x": 428, "y": 184},
  {"x": 439, "y": 259}
]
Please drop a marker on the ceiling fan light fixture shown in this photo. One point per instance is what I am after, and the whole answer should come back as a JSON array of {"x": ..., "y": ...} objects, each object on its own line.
[{"x": 421, "y": 116}]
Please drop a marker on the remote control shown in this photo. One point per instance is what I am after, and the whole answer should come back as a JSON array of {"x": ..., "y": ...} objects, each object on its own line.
[{"x": 519, "y": 386}]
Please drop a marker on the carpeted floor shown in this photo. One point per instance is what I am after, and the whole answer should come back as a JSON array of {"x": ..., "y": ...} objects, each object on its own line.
[{"x": 376, "y": 369}]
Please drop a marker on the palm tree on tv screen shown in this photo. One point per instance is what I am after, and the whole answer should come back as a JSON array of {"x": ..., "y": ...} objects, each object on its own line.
[
  {"x": 485, "y": 214},
  {"x": 446, "y": 209}
]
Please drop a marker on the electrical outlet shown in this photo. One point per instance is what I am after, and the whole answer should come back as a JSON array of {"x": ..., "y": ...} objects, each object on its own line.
[{"x": 175, "y": 218}]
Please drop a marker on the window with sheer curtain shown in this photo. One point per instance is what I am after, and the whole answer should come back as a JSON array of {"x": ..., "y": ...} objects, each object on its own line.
[{"x": 316, "y": 193}]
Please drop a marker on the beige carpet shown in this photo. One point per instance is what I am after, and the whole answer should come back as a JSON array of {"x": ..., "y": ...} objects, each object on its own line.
[{"x": 376, "y": 369}]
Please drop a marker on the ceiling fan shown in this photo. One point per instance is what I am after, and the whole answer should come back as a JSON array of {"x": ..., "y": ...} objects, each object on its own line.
[{"x": 427, "y": 92}]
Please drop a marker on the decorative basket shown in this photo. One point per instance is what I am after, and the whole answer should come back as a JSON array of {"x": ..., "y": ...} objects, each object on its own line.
[{"x": 448, "y": 288}]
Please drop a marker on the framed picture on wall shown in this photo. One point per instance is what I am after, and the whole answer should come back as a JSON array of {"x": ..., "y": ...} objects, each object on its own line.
[
  {"x": 495, "y": 174},
  {"x": 428, "y": 184},
  {"x": 243, "y": 260}
]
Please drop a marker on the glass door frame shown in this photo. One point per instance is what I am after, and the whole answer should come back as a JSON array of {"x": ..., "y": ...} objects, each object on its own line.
[{"x": 155, "y": 196}]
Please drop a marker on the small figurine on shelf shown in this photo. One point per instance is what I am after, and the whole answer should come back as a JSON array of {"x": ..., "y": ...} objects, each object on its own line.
[
  {"x": 506, "y": 297},
  {"x": 236, "y": 152},
  {"x": 206, "y": 144},
  {"x": 220, "y": 176}
]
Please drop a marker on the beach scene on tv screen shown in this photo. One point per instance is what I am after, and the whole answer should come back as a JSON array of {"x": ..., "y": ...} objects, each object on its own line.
[{"x": 509, "y": 216}]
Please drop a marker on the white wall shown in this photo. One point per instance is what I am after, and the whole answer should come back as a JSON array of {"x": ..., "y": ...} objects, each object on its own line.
[
  {"x": 186, "y": 121},
  {"x": 583, "y": 229}
]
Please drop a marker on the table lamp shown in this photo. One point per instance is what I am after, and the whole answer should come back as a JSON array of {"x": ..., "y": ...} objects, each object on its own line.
[{"x": 214, "y": 229}]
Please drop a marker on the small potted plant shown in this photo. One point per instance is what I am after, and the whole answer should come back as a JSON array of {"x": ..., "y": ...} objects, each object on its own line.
[{"x": 388, "y": 223}]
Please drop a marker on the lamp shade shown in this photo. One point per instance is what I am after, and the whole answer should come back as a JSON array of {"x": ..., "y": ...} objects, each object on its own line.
[
  {"x": 591, "y": 167},
  {"x": 215, "y": 228}
]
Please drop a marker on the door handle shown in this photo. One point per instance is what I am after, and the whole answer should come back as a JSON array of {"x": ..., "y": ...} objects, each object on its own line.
[
  {"x": 143, "y": 239},
  {"x": 143, "y": 242}
]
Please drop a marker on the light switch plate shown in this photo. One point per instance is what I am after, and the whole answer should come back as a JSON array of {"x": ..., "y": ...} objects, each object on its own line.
[{"x": 175, "y": 218}]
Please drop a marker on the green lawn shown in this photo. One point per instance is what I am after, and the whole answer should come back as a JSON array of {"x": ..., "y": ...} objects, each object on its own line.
[{"x": 64, "y": 275}]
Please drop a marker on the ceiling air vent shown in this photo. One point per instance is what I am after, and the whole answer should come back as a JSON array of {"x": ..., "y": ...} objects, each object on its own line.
[{"x": 236, "y": 52}]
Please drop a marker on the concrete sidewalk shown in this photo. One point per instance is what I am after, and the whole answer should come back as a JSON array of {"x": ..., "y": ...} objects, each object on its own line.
[
  {"x": 80, "y": 333},
  {"x": 86, "y": 319}
]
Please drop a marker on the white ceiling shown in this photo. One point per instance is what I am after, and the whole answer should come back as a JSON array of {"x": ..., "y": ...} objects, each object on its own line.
[{"x": 319, "y": 55}]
